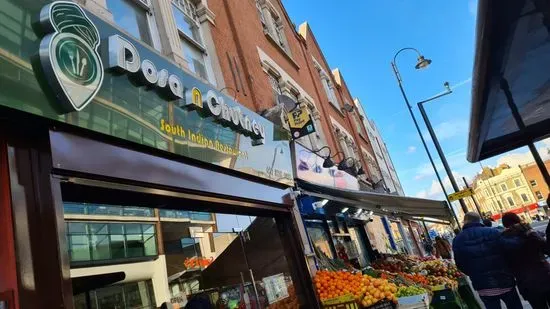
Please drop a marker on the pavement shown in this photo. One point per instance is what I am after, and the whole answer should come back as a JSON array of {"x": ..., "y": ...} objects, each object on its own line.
[{"x": 540, "y": 225}]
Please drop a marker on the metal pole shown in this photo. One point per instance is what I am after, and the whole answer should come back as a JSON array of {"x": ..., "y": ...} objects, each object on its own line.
[
  {"x": 521, "y": 125},
  {"x": 473, "y": 197},
  {"x": 396, "y": 72},
  {"x": 441, "y": 155}
]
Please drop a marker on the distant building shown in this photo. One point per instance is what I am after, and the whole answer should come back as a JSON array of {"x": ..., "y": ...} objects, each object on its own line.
[
  {"x": 536, "y": 181},
  {"x": 502, "y": 189}
]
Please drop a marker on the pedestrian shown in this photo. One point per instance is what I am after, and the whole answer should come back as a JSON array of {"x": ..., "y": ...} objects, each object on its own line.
[
  {"x": 523, "y": 249},
  {"x": 427, "y": 243},
  {"x": 443, "y": 248},
  {"x": 488, "y": 222},
  {"x": 476, "y": 254}
]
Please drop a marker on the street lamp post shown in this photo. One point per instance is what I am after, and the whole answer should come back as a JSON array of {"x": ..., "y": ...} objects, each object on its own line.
[
  {"x": 422, "y": 63},
  {"x": 440, "y": 151}
]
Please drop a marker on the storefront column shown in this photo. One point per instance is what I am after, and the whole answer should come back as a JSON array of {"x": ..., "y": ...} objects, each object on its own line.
[
  {"x": 8, "y": 265},
  {"x": 43, "y": 264}
]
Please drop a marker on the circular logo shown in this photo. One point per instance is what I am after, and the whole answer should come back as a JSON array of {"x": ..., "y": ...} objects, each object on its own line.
[{"x": 76, "y": 60}]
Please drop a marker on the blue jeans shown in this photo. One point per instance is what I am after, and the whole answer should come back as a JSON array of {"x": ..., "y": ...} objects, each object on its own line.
[{"x": 511, "y": 299}]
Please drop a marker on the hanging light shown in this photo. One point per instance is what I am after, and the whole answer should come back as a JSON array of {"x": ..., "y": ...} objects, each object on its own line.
[{"x": 422, "y": 63}]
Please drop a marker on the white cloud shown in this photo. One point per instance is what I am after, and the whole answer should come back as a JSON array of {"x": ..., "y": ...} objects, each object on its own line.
[
  {"x": 448, "y": 129},
  {"x": 472, "y": 7},
  {"x": 411, "y": 149},
  {"x": 436, "y": 192},
  {"x": 456, "y": 159},
  {"x": 515, "y": 159}
]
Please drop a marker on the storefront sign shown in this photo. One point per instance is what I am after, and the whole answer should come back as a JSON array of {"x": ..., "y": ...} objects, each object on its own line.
[
  {"x": 100, "y": 79},
  {"x": 461, "y": 194},
  {"x": 299, "y": 121},
  {"x": 309, "y": 167},
  {"x": 275, "y": 288}
]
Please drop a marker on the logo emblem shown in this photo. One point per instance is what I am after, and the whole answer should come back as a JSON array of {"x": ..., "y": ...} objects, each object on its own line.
[{"x": 69, "y": 56}]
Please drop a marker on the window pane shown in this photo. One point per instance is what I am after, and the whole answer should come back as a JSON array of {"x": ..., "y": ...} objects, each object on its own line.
[
  {"x": 137, "y": 295},
  {"x": 130, "y": 17},
  {"x": 74, "y": 208},
  {"x": 116, "y": 228},
  {"x": 117, "y": 247},
  {"x": 138, "y": 211},
  {"x": 110, "y": 297},
  {"x": 100, "y": 247},
  {"x": 135, "y": 246},
  {"x": 186, "y": 25},
  {"x": 194, "y": 58},
  {"x": 133, "y": 228},
  {"x": 104, "y": 210},
  {"x": 148, "y": 228},
  {"x": 150, "y": 245},
  {"x": 77, "y": 228},
  {"x": 98, "y": 228},
  {"x": 79, "y": 248}
]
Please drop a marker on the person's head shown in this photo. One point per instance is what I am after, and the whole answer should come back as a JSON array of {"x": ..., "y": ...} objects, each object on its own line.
[
  {"x": 472, "y": 217},
  {"x": 509, "y": 219},
  {"x": 437, "y": 238},
  {"x": 488, "y": 222}
]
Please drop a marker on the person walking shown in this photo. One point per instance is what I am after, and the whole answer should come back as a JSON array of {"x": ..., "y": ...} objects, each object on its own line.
[
  {"x": 523, "y": 250},
  {"x": 443, "y": 248},
  {"x": 476, "y": 254}
]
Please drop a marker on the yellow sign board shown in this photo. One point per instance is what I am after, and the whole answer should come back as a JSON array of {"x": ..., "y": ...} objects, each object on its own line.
[
  {"x": 300, "y": 122},
  {"x": 461, "y": 194}
]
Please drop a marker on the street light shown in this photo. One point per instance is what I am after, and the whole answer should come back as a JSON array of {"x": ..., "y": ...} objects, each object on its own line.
[{"x": 422, "y": 63}]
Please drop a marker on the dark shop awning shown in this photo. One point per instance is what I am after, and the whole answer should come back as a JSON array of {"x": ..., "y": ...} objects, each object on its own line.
[
  {"x": 381, "y": 204},
  {"x": 510, "y": 83},
  {"x": 93, "y": 282}
]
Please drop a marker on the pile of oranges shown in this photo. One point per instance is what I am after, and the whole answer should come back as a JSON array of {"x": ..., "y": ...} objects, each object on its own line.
[{"x": 365, "y": 289}]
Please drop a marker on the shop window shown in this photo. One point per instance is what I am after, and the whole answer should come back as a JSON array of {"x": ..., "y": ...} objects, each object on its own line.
[
  {"x": 127, "y": 295},
  {"x": 510, "y": 201},
  {"x": 100, "y": 241},
  {"x": 533, "y": 183},
  {"x": 539, "y": 195},
  {"x": 517, "y": 182},
  {"x": 106, "y": 210},
  {"x": 319, "y": 237},
  {"x": 524, "y": 197},
  {"x": 191, "y": 40},
  {"x": 132, "y": 16}
]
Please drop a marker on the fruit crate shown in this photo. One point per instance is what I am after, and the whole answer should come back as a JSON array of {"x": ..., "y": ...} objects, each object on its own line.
[
  {"x": 421, "y": 301},
  {"x": 383, "y": 304},
  {"x": 342, "y": 302}
]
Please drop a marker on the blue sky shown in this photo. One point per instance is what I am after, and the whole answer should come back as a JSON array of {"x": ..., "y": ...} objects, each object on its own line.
[{"x": 361, "y": 38}]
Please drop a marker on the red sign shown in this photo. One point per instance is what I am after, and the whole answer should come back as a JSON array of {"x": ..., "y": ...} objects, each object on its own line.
[{"x": 519, "y": 210}]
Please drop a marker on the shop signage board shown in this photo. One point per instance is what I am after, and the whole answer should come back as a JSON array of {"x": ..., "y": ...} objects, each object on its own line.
[
  {"x": 309, "y": 167},
  {"x": 73, "y": 67},
  {"x": 299, "y": 121},
  {"x": 461, "y": 194}
]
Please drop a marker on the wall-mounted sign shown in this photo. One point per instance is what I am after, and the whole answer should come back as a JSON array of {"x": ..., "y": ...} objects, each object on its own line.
[
  {"x": 309, "y": 167},
  {"x": 461, "y": 194},
  {"x": 299, "y": 121},
  {"x": 97, "y": 78}
]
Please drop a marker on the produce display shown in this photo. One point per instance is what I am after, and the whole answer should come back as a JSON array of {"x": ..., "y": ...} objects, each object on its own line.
[
  {"x": 405, "y": 291},
  {"x": 365, "y": 289}
]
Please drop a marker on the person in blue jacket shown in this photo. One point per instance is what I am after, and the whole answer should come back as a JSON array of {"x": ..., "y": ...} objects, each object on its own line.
[{"x": 477, "y": 254}]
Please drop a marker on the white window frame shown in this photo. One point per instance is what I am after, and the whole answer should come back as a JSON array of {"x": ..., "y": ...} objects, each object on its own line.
[
  {"x": 151, "y": 23},
  {"x": 533, "y": 183},
  {"x": 537, "y": 194},
  {"x": 515, "y": 183},
  {"x": 177, "y": 5},
  {"x": 526, "y": 199},
  {"x": 503, "y": 187},
  {"x": 508, "y": 199},
  {"x": 328, "y": 85},
  {"x": 272, "y": 24}
]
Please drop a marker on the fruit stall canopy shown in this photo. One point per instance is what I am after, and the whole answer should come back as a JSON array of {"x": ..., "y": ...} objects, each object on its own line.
[
  {"x": 510, "y": 87},
  {"x": 381, "y": 204}
]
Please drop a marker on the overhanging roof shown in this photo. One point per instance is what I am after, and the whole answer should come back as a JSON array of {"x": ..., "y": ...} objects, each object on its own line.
[
  {"x": 512, "y": 54},
  {"x": 382, "y": 204}
]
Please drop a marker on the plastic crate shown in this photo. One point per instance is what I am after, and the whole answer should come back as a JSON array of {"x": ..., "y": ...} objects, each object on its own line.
[
  {"x": 421, "y": 301},
  {"x": 346, "y": 305},
  {"x": 384, "y": 304}
]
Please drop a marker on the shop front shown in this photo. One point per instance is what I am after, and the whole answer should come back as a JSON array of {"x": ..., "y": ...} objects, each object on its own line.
[
  {"x": 127, "y": 182},
  {"x": 352, "y": 226}
]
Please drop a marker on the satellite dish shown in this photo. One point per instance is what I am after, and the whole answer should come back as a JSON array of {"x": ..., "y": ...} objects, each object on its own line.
[{"x": 287, "y": 102}]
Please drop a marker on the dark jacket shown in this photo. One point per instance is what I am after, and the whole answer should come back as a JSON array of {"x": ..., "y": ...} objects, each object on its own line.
[
  {"x": 523, "y": 249},
  {"x": 476, "y": 254}
]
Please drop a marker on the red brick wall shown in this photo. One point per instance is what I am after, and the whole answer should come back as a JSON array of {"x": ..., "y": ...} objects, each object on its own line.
[{"x": 531, "y": 172}]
